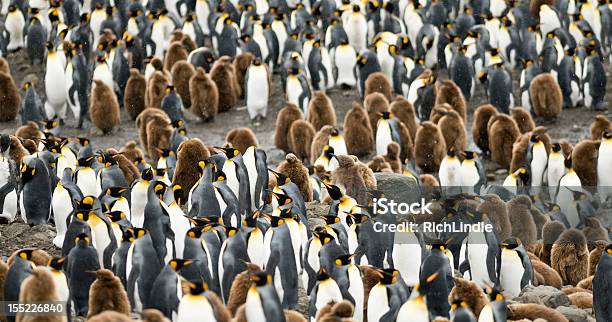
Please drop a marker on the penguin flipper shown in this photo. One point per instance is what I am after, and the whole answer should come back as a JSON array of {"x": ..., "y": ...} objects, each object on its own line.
[
  {"x": 5, "y": 190},
  {"x": 131, "y": 285}
]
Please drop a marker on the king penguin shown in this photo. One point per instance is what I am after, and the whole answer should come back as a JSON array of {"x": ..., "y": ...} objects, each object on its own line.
[
  {"x": 515, "y": 270},
  {"x": 602, "y": 284},
  {"x": 82, "y": 262},
  {"x": 449, "y": 173},
  {"x": 387, "y": 131},
  {"x": 604, "y": 160},
  {"x": 196, "y": 306},
  {"x": 238, "y": 178},
  {"x": 257, "y": 84},
  {"x": 35, "y": 201},
  {"x": 326, "y": 290},
  {"x": 55, "y": 84},
  {"x": 255, "y": 161},
  {"x": 473, "y": 177},
  {"x": 262, "y": 300},
  {"x": 20, "y": 270},
  {"x": 138, "y": 197},
  {"x": 167, "y": 289}
]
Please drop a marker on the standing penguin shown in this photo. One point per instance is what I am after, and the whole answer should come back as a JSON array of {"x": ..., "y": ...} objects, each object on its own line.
[
  {"x": 104, "y": 109},
  {"x": 345, "y": 59},
  {"x": 167, "y": 290},
  {"x": 257, "y": 84},
  {"x": 473, "y": 177},
  {"x": 55, "y": 84},
  {"x": 20, "y": 269},
  {"x": 36, "y": 192},
  {"x": 204, "y": 96},
  {"x": 82, "y": 262},
  {"x": 133, "y": 98},
  {"x": 172, "y": 104},
  {"x": 499, "y": 87},
  {"x": 594, "y": 86},
  {"x": 325, "y": 291},
  {"x": 31, "y": 105},
  {"x": 355, "y": 23},
  {"x": 602, "y": 306},
  {"x": 429, "y": 147},
  {"x": 367, "y": 64},
  {"x": 262, "y": 300},
  {"x": 297, "y": 88},
  {"x": 515, "y": 270},
  {"x": 237, "y": 178}
]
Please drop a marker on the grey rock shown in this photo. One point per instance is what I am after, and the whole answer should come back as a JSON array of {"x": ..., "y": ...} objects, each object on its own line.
[
  {"x": 398, "y": 187},
  {"x": 573, "y": 314},
  {"x": 545, "y": 295}
]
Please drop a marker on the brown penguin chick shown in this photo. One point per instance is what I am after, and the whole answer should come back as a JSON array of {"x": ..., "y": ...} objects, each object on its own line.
[
  {"x": 357, "y": 129},
  {"x": 17, "y": 151},
  {"x": 568, "y": 290},
  {"x": 153, "y": 315},
  {"x": 242, "y": 63},
  {"x": 204, "y": 95},
  {"x": 11, "y": 100},
  {"x": 453, "y": 130},
  {"x": 470, "y": 293},
  {"x": 550, "y": 233},
  {"x": 129, "y": 169},
  {"x": 223, "y": 74},
  {"x": 540, "y": 220},
  {"x": 438, "y": 111},
  {"x": 595, "y": 255},
  {"x": 523, "y": 119},
  {"x": 294, "y": 316},
  {"x": 366, "y": 173},
  {"x": 176, "y": 52},
  {"x": 583, "y": 300},
  {"x": 134, "y": 97},
  {"x": 336, "y": 311},
  {"x": 159, "y": 130},
  {"x": 30, "y": 146},
  {"x": 594, "y": 231},
  {"x": 4, "y": 66},
  {"x": 584, "y": 157},
  {"x": 404, "y": 111},
  {"x": 533, "y": 311},
  {"x": 325, "y": 310},
  {"x": 393, "y": 157},
  {"x": 301, "y": 135},
  {"x": 429, "y": 147},
  {"x": 39, "y": 287},
  {"x": 431, "y": 187},
  {"x": 112, "y": 316},
  {"x": 185, "y": 40},
  {"x": 551, "y": 277},
  {"x": 521, "y": 146},
  {"x": 378, "y": 164},
  {"x": 158, "y": 65},
  {"x": 240, "y": 287},
  {"x": 407, "y": 148},
  {"x": 39, "y": 257},
  {"x": 286, "y": 116},
  {"x": 131, "y": 151},
  {"x": 566, "y": 147},
  {"x": 241, "y": 138},
  {"x": 31, "y": 131},
  {"x": 320, "y": 140},
  {"x": 546, "y": 96},
  {"x": 156, "y": 89},
  {"x": 375, "y": 104},
  {"x": 569, "y": 256},
  {"x": 347, "y": 176},
  {"x": 370, "y": 278},
  {"x": 188, "y": 155},
  {"x": 586, "y": 283},
  {"x": 448, "y": 92},
  {"x": 480, "y": 133},
  {"x": 3, "y": 271},
  {"x": 378, "y": 83},
  {"x": 523, "y": 225},
  {"x": 295, "y": 170},
  {"x": 182, "y": 71},
  {"x": 496, "y": 210},
  {"x": 219, "y": 309},
  {"x": 600, "y": 124},
  {"x": 534, "y": 7},
  {"x": 143, "y": 119},
  {"x": 502, "y": 132},
  {"x": 107, "y": 294},
  {"x": 321, "y": 111}
]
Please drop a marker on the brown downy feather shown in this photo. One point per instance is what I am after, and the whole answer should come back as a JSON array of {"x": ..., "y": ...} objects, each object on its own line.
[
  {"x": 11, "y": 100},
  {"x": 158, "y": 135},
  {"x": 375, "y": 103},
  {"x": 540, "y": 220},
  {"x": 407, "y": 148},
  {"x": 143, "y": 119},
  {"x": 393, "y": 157},
  {"x": 521, "y": 145},
  {"x": 224, "y": 75},
  {"x": 129, "y": 169},
  {"x": 570, "y": 256},
  {"x": 550, "y": 233},
  {"x": 583, "y": 300},
  {"x": 107, "y": 294},
  {"x": 286, "y": 116},
  {"x": 594, "y": 231},
  {"x": 156, "y": 89},
  {"x": 294, "y": 316},
  {"x": 584, "y": 157},
  {"x": 404, "y": 111},
  {"x": 480, "y": 133},
  {"x": 321, "y": 111},
  {"x": 533, "y": 311},
  {"x": 453, "y": 130},
  {"x": 496, "y": 210},
  {"x": 39, "y": 257},
  {"x": 293, "y": 168},
  {"x": 319, "y": 141},
  {"x": 3, "y": 271},
  {"x": 438, "y": 111},
  {"x": 369, "y": 278},
  {"x": 153, "y": 315},
  {"x": 595, "y": 256},
  {"x": 566, "y": 147},
  {"x": 30, "y": 131},
  {"x": 546, "y": 96},
  {"x": 204, "y": 95},
  {"x": 16, "y": 151},
  {"x": 241, "y": 138},
  {"x": 131, "y": 151},
  {"x": 523, "y": 119},
  {"x": 523, "y": 225},
  {"x": 587, "y": 283},
  {"x": 112, "y": 316},
  {"x": 600, "y": 124},
  {"x": 358, "y": 134},
  {"x": 301, "y": 135},
  {"x": 551, "y": 277},
  {"x": 469, "y": 292},
  {"x": 176, "y": 52},
  {"x": 4, "y": 66},
  {"x": 240, "y": 287},
  {"x": 429, "y": 147},
  {"x": 241, "y": 65},
  {"x": 378, "y": 164},
  {"x": 221, "y": 312},
  {"x": 39, "y": 287},
  {"x": 134, "y": 97},
  {"x": 182, "y": 71},
  {"x": 349, "y": 175},
  {"x": 378, "y": 83},
  {"x": 188, "y": 155},
  {"x": 448, "y": 92},
  {"x": 502, "y": 132}
]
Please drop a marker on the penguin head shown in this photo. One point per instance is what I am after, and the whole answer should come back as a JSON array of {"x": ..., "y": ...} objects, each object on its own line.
[
  {"x": 293, "y": 71},
  {"x": 387, "y": 276},
  {"x": 106, "y": 159},
  {"x": 194, "y": 232},
  {"x": 115, "y": 216},
  {"x": 160, "y": 188},
  {"x": 330, "y": 219},
  {"x": 147, "y": 174},
  {"x": 83, "y": 141},
  {"x": 26, "y": 86},
  {"x": 334, "y": 191},
  {"x": 469, "y": 155},
  {"x": 344, "y": 260},
  {"x": 229, "y": 152},
  {"x": 328, "y": 152},
  {"x": 451, "y": 153},
  {"x": 257, "y": 62},
  {"x": 57, "y": 263},
  {"x": 459, "y": 304},
  {"x": 523, "y": 175},
  {"x": 115, "y": 192},
  {"x": 577, "y": 16},
  {"x": 511, "y": 243},
  {"x": 82, "y": 239},
  {"x": 281, "y": 178},
  {"x": 568, "y": 162},
  {"x": 127, "y": 234},
  {"x": 27, "y": 171},
  {"x": 12, "y": 8},
  {"x": 276, "y": 221},
  {"x": 251, "y": 220},
  {"x": 323, "y": 236},
  {"x": 169, "y": 89},
  {"x": 177, "y": 263},
  {"x": 607, "y": 134},
  {"x": 356, "y": 218},
  {"x": 261, "y": 279},
  {"x": 197, "y": 288},
  {"x": 230, "y": 231},
  {"x": 138, "y": 232},
  {"x": 285, "y": 212},
  {"x": 609, "y": 249},
  {"x": 26, "y": 254},
  {"x": 177, "y": 191},
  {"x": 439, "y": 246},
  {"x": 495, "y": 293}
]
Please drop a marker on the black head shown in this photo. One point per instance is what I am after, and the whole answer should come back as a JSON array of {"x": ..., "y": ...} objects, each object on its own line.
[
  {"x": 116, "y": 192},
  {"x": 57, "y": 263},
  {"x": 261, "y": 279},
  {"x": 556, "y": 147},
  {"x": 25, "y": 254},
  {"x": 334, "y": 191},
  {"x": 147, "y": 174},
  {"x": 330, "y": 219},
  {"x": 511, "y": 243},
  {"x": 116, "y": 216},
  {"x": 178, "y": 263},
  {"x": 345, "y": 259}
]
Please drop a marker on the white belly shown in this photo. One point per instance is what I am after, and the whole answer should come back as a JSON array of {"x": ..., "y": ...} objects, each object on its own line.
[
  {"x": 61, "y": 209},
  {"x": 87, "y": 182},
  {"x": 345, "y": 59},
  {"x": 229, "y": 168},
  {"x": 378, "y": 303},
  {"x": 139, "y": 201},
  {"x": 258, "y": 91},
  {"x": 195, "y": 309},
  {"x": 407, "y": 259},
  {"x": 511, "y": 273},
  {"x": 383, "y": 137}
]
